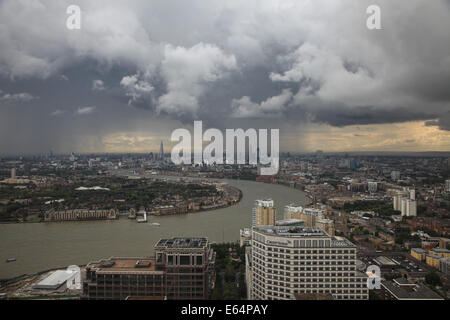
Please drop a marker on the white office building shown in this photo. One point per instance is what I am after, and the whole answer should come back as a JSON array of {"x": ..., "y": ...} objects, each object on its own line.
[{"x": 284, "y": 261}]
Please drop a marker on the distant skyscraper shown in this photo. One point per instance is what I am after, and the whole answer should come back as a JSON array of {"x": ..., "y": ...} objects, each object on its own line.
[
  {"x": 264, "y": 214},
  {"x": 161, "y": 151},
  {"x": 405, "y": 201},
  {"x": 13, "y": 173}
]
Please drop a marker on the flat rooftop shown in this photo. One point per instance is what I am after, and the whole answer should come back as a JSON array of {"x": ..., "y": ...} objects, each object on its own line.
[
  {"x": 124, "y": 264},
  {"x": 440, "y": 250},
  {"x": 180, "y": 243},
  {"x": 291, "y": 231},
  {"x": 384, "y": 261},
  {"x": 55, "y": 280},
  {"x": 409, "y": 292}
]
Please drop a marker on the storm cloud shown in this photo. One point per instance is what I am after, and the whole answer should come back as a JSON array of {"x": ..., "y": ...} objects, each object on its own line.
[{"x": 257, "y": 62}]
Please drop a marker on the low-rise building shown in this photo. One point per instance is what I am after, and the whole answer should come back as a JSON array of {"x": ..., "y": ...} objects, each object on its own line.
[
  {"x": 418, "y": 253},
  {"x": 402, "y": 289},
  {"x": 444, "y": 253},
  {"x": 433, "y": 260}
]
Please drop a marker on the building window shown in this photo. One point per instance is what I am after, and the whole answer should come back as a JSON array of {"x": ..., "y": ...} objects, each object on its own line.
[{"x": 184, "y": 260}]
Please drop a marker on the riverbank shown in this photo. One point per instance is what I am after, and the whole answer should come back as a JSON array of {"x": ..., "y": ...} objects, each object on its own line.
[
  {"x": 230, "y": 197},
  {"x": 41, "y": 246}
]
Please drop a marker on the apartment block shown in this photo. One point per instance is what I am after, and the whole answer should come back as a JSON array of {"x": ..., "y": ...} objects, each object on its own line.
[
  {"x": 309, "y": 215},
  {"x": 264, "y": 213}
]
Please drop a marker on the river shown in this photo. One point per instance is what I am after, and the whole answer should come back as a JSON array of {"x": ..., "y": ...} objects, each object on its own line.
[{"x": 42, "y": 246}]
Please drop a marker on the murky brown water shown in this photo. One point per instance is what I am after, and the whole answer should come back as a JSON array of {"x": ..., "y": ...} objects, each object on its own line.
[{"x": 41, "y": 246}]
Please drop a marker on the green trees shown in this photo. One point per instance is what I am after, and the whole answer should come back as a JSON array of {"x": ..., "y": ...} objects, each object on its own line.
[
  {"x": 382, "y": 208},
  {"x": 230, "y": 270}
]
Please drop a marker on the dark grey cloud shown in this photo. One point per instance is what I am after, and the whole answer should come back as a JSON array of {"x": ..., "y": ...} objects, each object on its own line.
[{"x": 225, "y": 62}]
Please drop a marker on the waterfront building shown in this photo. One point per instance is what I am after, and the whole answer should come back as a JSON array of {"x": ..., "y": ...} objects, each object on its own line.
[
  {"x": 182, "y": 268},
  {"x": 264, "y": 213},
  {"x": 245, "y": 237},
  {"x": 290, "y": 223},
  {"x": 308, "y": 215},
  {"x": 285, "y": 261},
  {"x": 69, "y": 278},
  {"x": 189, "y": 266},
  {"x": 326, "y": 225},
  {"x": 80, "y": 215}
]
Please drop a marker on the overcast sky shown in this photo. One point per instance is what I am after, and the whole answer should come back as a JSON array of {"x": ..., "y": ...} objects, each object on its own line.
[{"x": 139, "y": 69}]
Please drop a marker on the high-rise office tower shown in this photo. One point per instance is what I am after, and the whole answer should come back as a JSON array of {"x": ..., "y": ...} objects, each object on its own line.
[
  {"x": 13, "y": 173},
  {"x": 285, "y": 261},
  {"x": 161, "y": 152},
  {"x": 264, "y": 214}
]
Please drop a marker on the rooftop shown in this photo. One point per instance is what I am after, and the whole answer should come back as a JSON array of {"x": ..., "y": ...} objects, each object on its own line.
[
  {"x": 293, "y": 232},
  {"x": 440, "y": 250},
  {"x": 384, "y": 261},
  {"x": 179, "y": 243},
  {"x": 290, "y": 222},
  {"x": 124, "y": 264},
  {"x": 410, "y": 291},
  {"x": 55, "y": 280}
]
